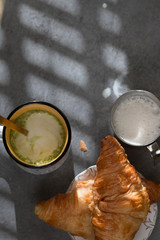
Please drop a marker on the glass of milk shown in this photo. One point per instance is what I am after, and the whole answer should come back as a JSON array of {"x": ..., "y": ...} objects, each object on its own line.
[{"x": 135, "y": 119}]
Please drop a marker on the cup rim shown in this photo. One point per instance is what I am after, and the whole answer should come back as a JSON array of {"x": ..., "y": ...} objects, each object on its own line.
[
  {"x": 61, "y": 155},
  {"x": 115, "y": 104}
]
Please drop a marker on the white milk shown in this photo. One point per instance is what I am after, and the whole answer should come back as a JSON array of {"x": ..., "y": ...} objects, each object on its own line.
[
  {"x": 137, "y": 120},
  {"x": 45, "y": 138}
]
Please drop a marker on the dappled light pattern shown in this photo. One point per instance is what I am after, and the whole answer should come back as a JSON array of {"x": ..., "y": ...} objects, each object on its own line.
[
  {"x": 116, "y": 88},
  {"x": 57, "y": 31},
  {"x": 119, "y": 87},
  {"x": 4, "y": 73},
  {"x": 69, "y": 69},
  {"x": 1, "y": 130},
  {"x": 62, "y": 52},
  {"x": 69, "y": 6},
  {"x": 113, "y": 1},
  {"x": 80, "y": 56},
  {"x": 34, "y": 86},
  {"x": 81, "y": 110},
  {"x": 8, "y": 228},
  {"x": 55, "y": 62},
  {"x": 36, "y": 54},
  {"x": 67, "y": 53},
  {"x": 7, "y": 105},
  {"x": 115, "y": 59},
  {"x": 109, "y": 21},
  {"x": 107, "y": 92},
  {"x": 104, "y": 5}
]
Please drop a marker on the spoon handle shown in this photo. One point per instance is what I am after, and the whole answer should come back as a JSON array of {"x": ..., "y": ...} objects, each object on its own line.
[{"x": 8, "y": 123}]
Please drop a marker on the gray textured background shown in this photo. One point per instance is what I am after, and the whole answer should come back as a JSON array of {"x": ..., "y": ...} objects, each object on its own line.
[{"x": 79, "y": 55}]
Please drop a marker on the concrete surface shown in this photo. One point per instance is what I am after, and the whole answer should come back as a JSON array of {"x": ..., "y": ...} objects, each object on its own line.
[{"x": 80, "y": 56}]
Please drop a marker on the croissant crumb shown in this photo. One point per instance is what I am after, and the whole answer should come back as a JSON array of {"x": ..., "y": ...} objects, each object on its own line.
[{"x": 83, "y": 146}]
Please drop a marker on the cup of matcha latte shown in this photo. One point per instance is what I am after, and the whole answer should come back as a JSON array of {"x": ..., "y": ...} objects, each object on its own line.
[{"x": 46, "y": 146}]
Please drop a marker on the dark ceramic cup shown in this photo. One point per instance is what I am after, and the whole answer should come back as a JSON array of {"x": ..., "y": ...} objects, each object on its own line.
[{"x": 54, "y": 163}]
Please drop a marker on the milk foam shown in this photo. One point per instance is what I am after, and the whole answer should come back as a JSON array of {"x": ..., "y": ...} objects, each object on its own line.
[
  {"x": 137, "y": 120},
  {"x": 44, "y": 141}
]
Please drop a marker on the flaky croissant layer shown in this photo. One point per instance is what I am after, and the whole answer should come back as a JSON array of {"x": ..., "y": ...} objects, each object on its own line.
[{"x": 110, "y": 207}]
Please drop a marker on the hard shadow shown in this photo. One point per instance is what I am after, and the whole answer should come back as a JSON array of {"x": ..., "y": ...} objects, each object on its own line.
[{"x": 79, "y": 57}]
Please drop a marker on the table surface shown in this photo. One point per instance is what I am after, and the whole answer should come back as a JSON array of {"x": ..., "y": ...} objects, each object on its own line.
[{"x": 80, "y": 56}]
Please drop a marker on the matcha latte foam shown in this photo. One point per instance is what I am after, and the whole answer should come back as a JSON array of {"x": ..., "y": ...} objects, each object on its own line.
[{"x": 45, "y": 139}]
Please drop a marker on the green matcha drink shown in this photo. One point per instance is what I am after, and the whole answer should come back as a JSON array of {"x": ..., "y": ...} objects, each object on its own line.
[{"x": 45, "y": 139}]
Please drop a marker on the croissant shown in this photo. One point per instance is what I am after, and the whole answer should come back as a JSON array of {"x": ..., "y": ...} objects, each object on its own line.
[{"x": 110, "y": 207}]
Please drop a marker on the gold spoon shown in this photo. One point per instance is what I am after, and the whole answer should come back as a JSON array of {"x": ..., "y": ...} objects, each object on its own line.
[{"x": 8, "y": 123}]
